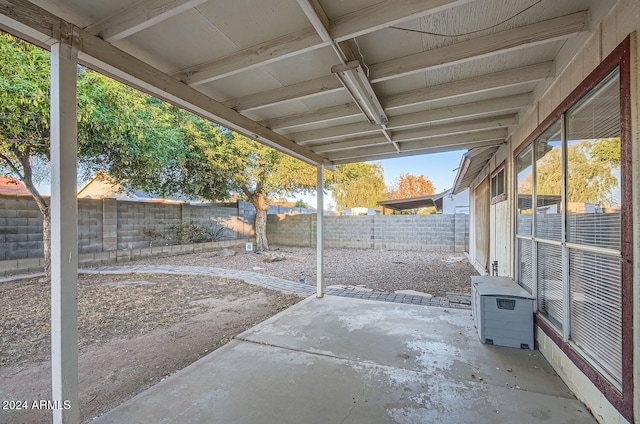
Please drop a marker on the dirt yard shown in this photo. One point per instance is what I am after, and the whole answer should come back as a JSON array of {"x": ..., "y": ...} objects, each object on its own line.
[
  {"x": 137, "y": 329},
  {"x": 134, "y": 331}
]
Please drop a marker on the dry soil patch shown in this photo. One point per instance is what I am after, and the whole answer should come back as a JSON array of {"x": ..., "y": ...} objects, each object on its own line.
[{"x": 134, "y": 330}]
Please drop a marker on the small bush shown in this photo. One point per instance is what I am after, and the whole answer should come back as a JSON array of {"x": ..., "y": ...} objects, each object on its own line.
[
  {"x": 191, "y": 232},
  {"x": 184, "y": 233}
]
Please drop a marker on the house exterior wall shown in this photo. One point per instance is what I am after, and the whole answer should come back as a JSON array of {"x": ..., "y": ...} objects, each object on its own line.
[
  {"x": 452, "y": 203},
  {"x": 622, "y": 21}
]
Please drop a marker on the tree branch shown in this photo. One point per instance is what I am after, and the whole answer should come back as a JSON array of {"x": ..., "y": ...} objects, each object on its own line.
[{"x": 11, "y": 165}]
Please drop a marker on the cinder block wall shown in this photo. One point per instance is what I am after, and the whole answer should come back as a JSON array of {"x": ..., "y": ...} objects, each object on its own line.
[
  {"x": 433, "y": 233},
  {"x": 135, "y": 218},
  {"x": 109, "y": 226},
  {"x": 20, "y": 228},
  {"x": 90, "y": 214}
]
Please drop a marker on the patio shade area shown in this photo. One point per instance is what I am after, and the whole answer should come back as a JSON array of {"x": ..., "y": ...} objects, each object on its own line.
[
  {"x": 347, "y": 360},
  {"x": 329, "y": 81}
]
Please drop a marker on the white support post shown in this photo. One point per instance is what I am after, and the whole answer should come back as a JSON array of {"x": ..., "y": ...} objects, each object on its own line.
[
  {"x": 64, "y": 236},
  {"x": 320, "y": 234}
]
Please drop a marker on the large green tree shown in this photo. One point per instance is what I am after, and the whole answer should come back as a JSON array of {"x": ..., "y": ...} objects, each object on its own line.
[
  {"x": 358, "y": 185},
  {"x": 261, "y": 172},
  {"x": 141, "y": 142},
  {"x": 593, "y": 172},
  {"x": 137, "y": 139}
]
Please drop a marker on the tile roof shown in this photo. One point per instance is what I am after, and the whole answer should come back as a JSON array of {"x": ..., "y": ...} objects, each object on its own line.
[{"x": 10, "y": 185}]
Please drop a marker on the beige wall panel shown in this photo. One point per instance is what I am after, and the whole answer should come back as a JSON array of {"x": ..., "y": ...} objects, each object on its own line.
[
  {"x": 627, "y": 18},
  {"x": 609, "y": 34},
  {"x": 591, "y": 54},
  {"x": 566, "y": 84}
]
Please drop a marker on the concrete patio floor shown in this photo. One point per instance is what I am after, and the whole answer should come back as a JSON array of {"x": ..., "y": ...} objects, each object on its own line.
[{"x": 345, "y": 360}]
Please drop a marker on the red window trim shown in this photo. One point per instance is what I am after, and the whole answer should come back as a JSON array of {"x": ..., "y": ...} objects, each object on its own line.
[
  {"x": 503, "y": 196},
  {"x": 620, "y": 57},
  {"x": 498, "y": 169}
]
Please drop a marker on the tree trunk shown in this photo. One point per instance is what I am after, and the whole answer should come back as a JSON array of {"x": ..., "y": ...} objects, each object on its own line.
[
  {"x": 27, "y": 180},
  {"x": 261, "y": 230},
  {"x": 259, "y": 202}
]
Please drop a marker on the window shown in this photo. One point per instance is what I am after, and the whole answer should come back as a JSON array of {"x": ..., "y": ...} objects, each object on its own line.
[
  {"x": 590, "y": 206},
  {"x": 497, "y": 185},
  {"x": 524, "y": 187},
  {"x": 570, "y": 216}
]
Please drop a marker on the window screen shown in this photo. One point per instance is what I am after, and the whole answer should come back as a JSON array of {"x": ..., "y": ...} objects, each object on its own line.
[
  {"x": 593, "y": 174},
  {"x": 524, "y": 170},
  {"x": 596, "y": 309},
  {"x": 548, "y": 151}
]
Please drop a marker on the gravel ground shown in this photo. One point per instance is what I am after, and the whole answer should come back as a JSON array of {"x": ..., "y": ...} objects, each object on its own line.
[{"x": 380, "y": 270}]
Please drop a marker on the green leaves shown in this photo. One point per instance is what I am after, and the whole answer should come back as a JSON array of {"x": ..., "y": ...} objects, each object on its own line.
[
  {"x": 145, "y": 143},
  {"x": 358, "y": 185}
]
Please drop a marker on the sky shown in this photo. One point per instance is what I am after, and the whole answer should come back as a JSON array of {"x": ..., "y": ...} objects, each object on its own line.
[{"x": 440, "y": 168}]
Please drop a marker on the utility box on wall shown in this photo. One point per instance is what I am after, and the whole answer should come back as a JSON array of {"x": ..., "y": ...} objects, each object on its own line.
[{"x": 502, "y": 312}]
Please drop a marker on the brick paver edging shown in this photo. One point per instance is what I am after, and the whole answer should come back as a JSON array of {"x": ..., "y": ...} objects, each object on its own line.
[{"x": 266, "y": 281}]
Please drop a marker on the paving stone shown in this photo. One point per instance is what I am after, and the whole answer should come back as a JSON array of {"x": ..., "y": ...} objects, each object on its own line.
[{"x": 274, "y": 283}]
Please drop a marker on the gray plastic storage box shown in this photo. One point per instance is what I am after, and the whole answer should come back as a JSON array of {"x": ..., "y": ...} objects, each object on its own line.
[{"x": 502, "y": 311}]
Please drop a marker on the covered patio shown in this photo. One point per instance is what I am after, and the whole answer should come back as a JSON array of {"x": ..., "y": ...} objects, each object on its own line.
[
  {"x": 345, "y": 360},
  {"x": 332, "y": 82}
]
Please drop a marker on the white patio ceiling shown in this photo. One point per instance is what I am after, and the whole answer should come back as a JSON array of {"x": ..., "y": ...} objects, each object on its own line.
[{"x": 263, "y": 68}]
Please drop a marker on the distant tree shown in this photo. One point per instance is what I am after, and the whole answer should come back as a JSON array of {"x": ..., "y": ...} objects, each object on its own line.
[
  {"x": 592, "y": 167},
  {"x": 358, "y": 185},
  {"x": 409, "y": 185},
  {"x": 262, "y": 172},
  {"x": 591, "y": 177},
  {"x": 300, "y": 204}
]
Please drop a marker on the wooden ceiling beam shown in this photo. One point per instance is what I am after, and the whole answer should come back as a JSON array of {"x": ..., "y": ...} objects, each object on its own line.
[
  {"x": 326, "y": 114},
  {"x": 410, "y": 149},
  {"x": 503, "y": 41},
  {"x": 328, "y": 84},
  {"x": 44, "y": 28},
  {"x": 252, "y": 57},
  {"x": 500, "y": 42},
  {"x": 417, "y": 134},
  {"x": 392, "y": 155},
  {"x": 483, "y": 107},
  {"x": 478, "y": 84},
  {"x": 139, "y": 16},
  {"x": 369, "y": 19}
]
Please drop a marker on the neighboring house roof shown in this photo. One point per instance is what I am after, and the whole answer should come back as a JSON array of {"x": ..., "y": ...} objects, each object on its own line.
[
  {"x": 471, "y": 164},
  {"x": 99, "y": 187},
  {"x": 10, "y": 185},
  {"x": 102, "y": 186},
  {"x": 432, "y": 200}
]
